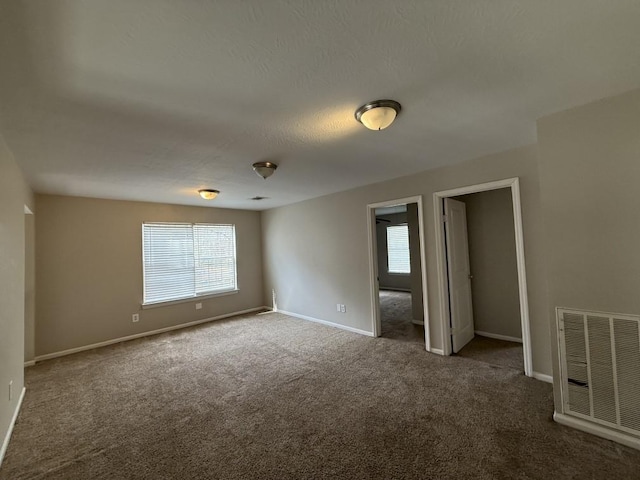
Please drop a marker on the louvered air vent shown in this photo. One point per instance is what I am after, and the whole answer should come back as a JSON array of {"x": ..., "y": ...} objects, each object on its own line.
[{"x": 600, "y": 361}]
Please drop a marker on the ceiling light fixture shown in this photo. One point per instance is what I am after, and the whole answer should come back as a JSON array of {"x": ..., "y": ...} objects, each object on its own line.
[
  {"x": 208, "y": 194},
  {"x": 378, "y": 115},
  {"x": 264, "y": 169}
]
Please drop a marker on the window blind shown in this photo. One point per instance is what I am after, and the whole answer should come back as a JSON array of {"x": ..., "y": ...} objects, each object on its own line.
[
  {"x": 187, "y": 260},
  {"x": 398, "y": 258}
]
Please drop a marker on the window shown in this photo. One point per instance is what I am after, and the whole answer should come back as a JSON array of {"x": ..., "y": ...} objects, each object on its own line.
[
  {"x": 398, "y": 249},
  {"x": 184, "y": 260}
]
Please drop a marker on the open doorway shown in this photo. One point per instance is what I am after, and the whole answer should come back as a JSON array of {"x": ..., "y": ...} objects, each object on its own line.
[
  {"x": 483, "y": 258},
  {"x": 496, "y": 334},
  {"x": 398, "y": 280}
]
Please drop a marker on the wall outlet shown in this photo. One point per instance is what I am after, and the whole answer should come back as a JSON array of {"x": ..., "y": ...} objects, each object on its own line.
[
  {"x": 11, "y": 390},
  {"x": 198, "y": 306},
  {"x": 135, "y": 317},
  {"x": 337, "y": 307},
  {"x": 343, "y": 308}
]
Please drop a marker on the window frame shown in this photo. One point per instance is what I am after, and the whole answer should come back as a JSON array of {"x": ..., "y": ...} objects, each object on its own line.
[{"x": 195, "y": 297}]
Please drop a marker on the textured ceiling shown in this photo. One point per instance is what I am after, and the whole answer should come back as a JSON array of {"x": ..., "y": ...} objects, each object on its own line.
[{"x": 151, "y": 100}]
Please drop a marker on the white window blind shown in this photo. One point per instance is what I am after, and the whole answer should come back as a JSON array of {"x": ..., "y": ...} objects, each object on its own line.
[
  {"x": 398, "y": 259},
  {"x": 187, "y": 260}
]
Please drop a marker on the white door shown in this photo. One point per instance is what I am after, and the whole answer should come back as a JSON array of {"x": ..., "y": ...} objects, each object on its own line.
[{"x": 459, "y": 273}]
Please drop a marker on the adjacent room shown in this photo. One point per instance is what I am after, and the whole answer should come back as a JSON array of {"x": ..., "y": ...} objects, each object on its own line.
[
  {"x": 319, "y": 239},
  {"x": 399, "y": 277},
  {"x": 489, "y": 235}
]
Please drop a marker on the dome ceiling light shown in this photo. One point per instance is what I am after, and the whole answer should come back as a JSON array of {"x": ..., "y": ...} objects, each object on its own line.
[
  {"x": 379, "y": 114},
  {"x": 264, "y": 169},
  {"x": 208, "y": 194}
]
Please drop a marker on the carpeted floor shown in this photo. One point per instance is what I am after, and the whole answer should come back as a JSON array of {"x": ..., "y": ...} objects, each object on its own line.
[
  {"x": 273, "y": 397},
  {"x": 495, "y": 352},
  {"x": 395, "y": 317}
]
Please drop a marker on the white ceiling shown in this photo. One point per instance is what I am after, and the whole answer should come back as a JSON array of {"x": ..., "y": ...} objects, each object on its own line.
[{"x": 153, "y": 99}]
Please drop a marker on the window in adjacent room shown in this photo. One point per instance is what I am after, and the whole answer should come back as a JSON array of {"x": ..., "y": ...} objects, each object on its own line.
[
  {"x": 398, "y": 260},
  {"x": 184, "y": 260}
]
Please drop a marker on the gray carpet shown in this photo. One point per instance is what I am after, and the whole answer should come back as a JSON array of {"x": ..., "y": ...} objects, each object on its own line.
[
  {"x": 495, "y": 352},
  {"x": 272, "y": 397},
  {"x": 395, "y": 317}
]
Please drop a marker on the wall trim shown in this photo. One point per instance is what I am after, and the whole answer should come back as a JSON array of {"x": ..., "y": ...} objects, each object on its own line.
[
  {"x": 29, "y": 363},
  {"x": 396, "y": 289},
  {"x": 543, "y": 377},
  {"x": 5, "y": 443},
  {"x": 498, "y": 337},
  {"x": 326, "y": 322},
  {"x": 71, "y": 351},
  {"x": 437, "y": 351},
  {"x": 598, "y": 430},
  {"x": 417, "y": 322}
]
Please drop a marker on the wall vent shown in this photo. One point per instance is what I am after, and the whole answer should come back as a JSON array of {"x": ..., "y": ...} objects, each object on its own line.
[{"x": 600, "y": 368}]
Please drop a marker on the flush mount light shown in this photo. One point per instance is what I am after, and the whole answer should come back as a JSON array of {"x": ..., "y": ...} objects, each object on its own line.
[
  {"x": 264, "y": 169},
  {"x": 378, "y": 115},
  {"x": 208, "y": 194}
]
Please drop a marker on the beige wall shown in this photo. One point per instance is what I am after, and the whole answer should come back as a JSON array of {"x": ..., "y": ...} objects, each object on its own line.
[
  {"x": 316, "y": 252},
  {"x": 589, "y": 178},
  {"x": 89, "y": 269},
  {"x": 492, "y": 256},
  {"x": 14, "y": 194},
  {"x": 390, "y": 280}
]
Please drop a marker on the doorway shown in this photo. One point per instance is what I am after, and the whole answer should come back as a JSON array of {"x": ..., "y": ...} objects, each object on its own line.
[
  {"x": 398, "y": 276},
  {"x": 454, "y": 273}
]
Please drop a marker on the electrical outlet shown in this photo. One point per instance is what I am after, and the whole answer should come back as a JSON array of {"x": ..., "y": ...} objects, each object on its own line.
[
  {"x": 198, "y": 306},
  {"x": 11, "y": 390},
  {"x": 343, "y": 308},
  {"x": 337, "y": 307},
  {"x": 135, "y": 317}
]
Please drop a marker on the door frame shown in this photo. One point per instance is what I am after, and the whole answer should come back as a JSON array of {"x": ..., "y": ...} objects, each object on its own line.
[
  {"x": 443, "y": 280},
  {"x": 373, "y": 263}
]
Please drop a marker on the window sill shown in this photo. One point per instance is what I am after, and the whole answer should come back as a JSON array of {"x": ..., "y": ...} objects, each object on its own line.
[
  {"x": 206, "y": 296},
  {"x": 398, "y": 274}
]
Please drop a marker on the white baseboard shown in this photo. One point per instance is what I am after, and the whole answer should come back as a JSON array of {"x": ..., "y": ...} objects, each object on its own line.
[
  {"x": 325, "y": 322},
  {"x": 598, "y": 430},
  {"x": 498, "y": 337},
  {"x": 29, "y": 363},
  {"x": 542, "y": 377},
  {"x": 417, "y": 322},
  {"x": 437, "y": 351},
  {"x": 7, "y": 437},
  {"x": 394, "y": 289},
  {"x": 70, "y": 351}
]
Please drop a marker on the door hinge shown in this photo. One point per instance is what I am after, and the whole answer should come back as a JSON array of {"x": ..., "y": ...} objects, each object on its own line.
[
  {"x": 444, "y": 218},
  {"x": 453, "y": 331}
]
